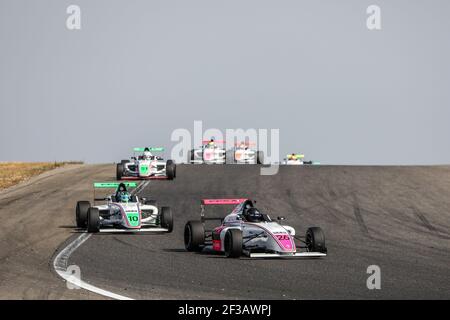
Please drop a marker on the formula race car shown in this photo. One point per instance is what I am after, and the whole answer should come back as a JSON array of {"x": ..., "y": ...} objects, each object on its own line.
[
  {"x": 211, "y": 152},
  {"x": 122, "y": 212},
  {"x": 146, "y": 166},
  {"x": 298, "y": 159},
  {"x": 247, "y": 231},
  {"x": 243, "y": 153}
]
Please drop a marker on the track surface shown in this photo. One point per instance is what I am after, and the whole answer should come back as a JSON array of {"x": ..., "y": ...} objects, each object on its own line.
[
  {"x": 36, "y": 218},
  {"x": 395, "y": 217}
]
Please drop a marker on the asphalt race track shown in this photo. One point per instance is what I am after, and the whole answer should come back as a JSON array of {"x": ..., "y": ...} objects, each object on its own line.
[{"x": 397, "y": 218}]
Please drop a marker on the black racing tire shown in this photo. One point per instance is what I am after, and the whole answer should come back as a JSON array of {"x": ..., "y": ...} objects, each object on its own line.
[
  {"x": 167, "y": 219},
  {"x": 315, "y": 240},
  {"x": 171, "y": 170},
  {"x": 119, "y": 171},
  {"x": 260, "y": 157},
  {"x": 194, "y": 236},
  {"x": 190, "y": 158},
  {"x": 124, "y": 161},
  {"x": 229, "y": 157},
  {"x": 233, "y": 243},
  {"x": 93, "y": 220},
  {"x": 81, "y": 212}
]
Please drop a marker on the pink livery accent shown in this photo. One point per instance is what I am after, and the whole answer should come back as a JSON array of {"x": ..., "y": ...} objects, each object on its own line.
[
  {"x": 222, "y": 201},
  {"x": 215, "y": 141},
  {"x": 208, "y": 155},
  {"x": 216, "y": 245},
  {"x": 285, "y": 240}
]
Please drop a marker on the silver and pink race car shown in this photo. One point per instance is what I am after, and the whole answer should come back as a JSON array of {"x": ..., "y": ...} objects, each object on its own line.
[{"x": 249, "y": 232}]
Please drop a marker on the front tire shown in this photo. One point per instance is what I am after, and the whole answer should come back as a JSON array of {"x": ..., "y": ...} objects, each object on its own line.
[
  {"x": 194, "y": 236},
  {"x": 81, "y": 212},
  {"x": 93, "y": 220},
  {"x": 167, "y": 218},
  {"x": 171, "y": 170},
  {"x": 119, "y": 171},
  {"x": 233, "y": 243},
  {"x": 315, "y": 240}
]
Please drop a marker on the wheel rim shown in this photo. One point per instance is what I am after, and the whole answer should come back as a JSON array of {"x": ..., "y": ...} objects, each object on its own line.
[{"x": 309, "y": 242}]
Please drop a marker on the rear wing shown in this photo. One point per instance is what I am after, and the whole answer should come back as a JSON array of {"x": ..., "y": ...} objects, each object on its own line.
[
  {"x": 215, "y": 141},
  {"x": 247, "y": 144},
  {"x": 111, "y": 185},
  {"x": 220, "y": 202},
  {"x": 151, "y": 149},
  {"x": 301, "y": 156},
  {"x": 114, "y": 185},
  {"x": 207, "y": 202}
]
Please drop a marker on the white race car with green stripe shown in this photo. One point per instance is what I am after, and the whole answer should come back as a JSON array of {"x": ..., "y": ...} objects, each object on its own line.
[
  {"x": 146, "y": 166},
  {"x": 136, "y": 215}
]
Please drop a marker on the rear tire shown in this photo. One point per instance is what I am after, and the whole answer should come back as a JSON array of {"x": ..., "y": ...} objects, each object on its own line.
[
  {"x": 315, "y": 240},
  {"x": 124, "y": 161},
  {"x": 81, "y": 212},
  {"x": 93, "y": 220},
  {"x": 171, "y": 170},
  {"x": 167, "y": 219},
  {"x": 119, "y": 171},
  {"x": 194, "y": 236},
  {"x": 260, "y": 157},
  {"x": 233, "y": 243}
]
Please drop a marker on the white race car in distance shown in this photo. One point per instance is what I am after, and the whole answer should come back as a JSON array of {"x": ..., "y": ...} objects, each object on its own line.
[
  {"x": 298, "y": 159},
  {"x": 247, "y": 231},
  {"x": 243, "y": 153},
  {"x": 211, "y": 152},
  {"x": 146, "y": 166}
]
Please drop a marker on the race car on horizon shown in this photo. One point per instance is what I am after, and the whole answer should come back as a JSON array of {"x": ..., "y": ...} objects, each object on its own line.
[
  {"x": 298, "y": 159},
  {"x": 243, "y": 153},
  {"x": 146, "y": 166},
  {"x": 247, "y": 231},
  {"x": 122, "y": 212},
  {"x": 211, "y": 152}
]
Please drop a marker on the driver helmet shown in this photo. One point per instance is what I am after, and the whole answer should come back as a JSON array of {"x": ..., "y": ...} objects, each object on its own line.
[
  {"x": 253, "y": 215},
  {"x": 124, "y": 196},
  {"x": 211, "y": 143},
  {"x": 147, "y": 155}
]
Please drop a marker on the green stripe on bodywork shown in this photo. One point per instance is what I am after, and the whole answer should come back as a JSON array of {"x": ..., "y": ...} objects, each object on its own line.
[
  {"x": 113, "y": 185},
  {"x": 159, "y": 149}
]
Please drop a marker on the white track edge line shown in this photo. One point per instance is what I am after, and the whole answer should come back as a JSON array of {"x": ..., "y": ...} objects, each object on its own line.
[{"x": 60, "y": 264}]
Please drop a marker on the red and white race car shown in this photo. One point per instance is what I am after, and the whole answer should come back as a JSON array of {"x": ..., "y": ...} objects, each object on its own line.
[
  {"x": 211, "y": 152},
  {"x": 245, "y": 153},
  {"x": 247, "y": 231}
]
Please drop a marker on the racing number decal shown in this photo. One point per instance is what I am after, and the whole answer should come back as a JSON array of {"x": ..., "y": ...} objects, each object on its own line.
[
  {"x": 143, "y": 169},
  {"x": 133, "y": 218},
  {"x": 282, "y": 237}
]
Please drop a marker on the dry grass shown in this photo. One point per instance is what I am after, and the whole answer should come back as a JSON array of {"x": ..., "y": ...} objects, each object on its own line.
[{"x": 12, "y": 173}]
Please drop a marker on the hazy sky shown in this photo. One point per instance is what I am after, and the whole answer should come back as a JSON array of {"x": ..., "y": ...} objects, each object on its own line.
[{"x": 137, "y": 70}]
